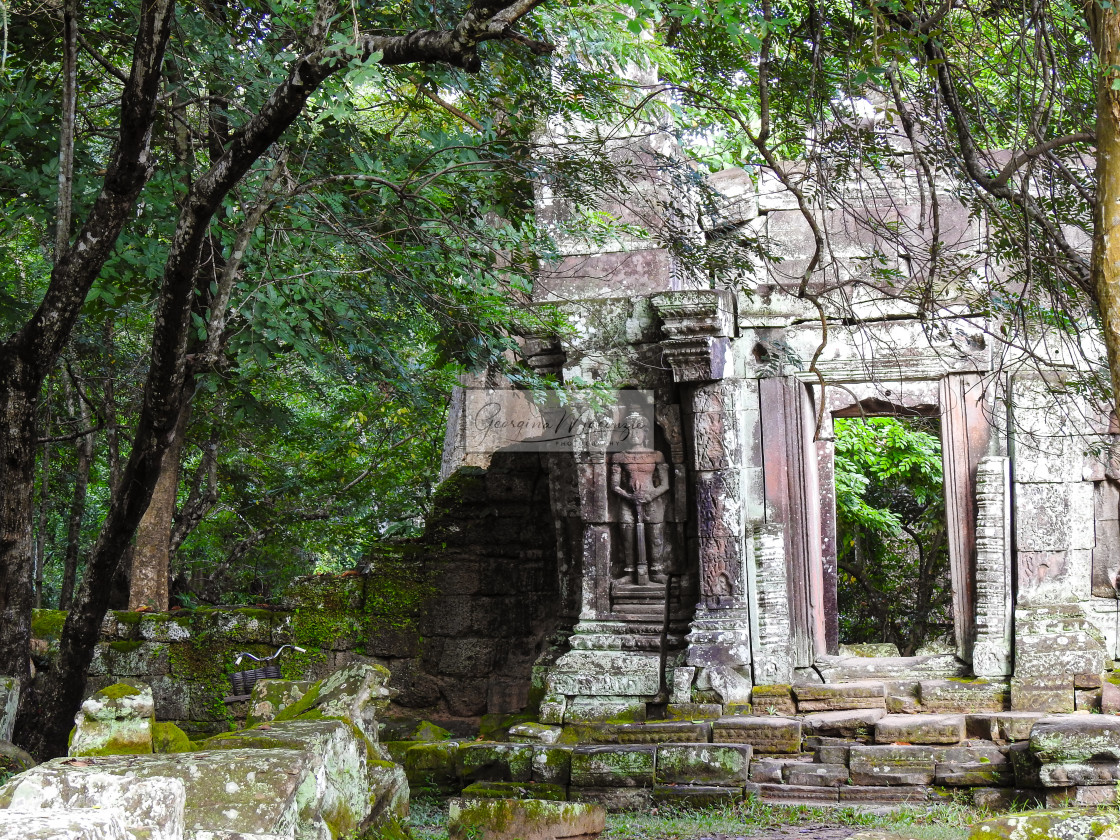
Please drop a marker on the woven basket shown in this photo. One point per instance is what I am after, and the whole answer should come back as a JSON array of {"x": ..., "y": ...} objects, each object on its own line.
[{"x": 243, "y": 681}]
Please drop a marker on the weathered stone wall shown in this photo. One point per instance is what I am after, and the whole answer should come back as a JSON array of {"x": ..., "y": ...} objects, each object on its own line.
[{"x": 458, "y": 616}]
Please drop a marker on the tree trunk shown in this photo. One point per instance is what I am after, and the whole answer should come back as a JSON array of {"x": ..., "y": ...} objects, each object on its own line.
[
  {"x": 44, "y": 511},
  {"x": 1104, "y": 29},
  {"x": 17, "y": 480},
  {"x": 149, "y": 582},
  {"x": 77, "y": 505}
]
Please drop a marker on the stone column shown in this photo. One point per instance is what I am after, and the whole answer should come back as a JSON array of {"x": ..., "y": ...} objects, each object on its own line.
[
  {"x": 770, "y": 625},
  {"x": 991, "y": 652},
  {"x": 722, "y": 425}
]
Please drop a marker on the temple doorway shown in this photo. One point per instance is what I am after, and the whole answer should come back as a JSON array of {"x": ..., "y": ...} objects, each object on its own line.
[{"x": 894, "y": 592}]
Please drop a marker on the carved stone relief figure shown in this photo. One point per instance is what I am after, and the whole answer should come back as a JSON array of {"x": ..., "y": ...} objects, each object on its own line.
[{"x": 640, "y": 477}]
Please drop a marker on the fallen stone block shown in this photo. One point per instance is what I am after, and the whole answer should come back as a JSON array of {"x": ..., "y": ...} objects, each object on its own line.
[
  {"x": 856, "y": 724},
  {"x": 769, "y": 734},
  {"x": 1001, "y": 727},
  {"x": 154, "y": 805},
  {"x": 359, "y": 692},
  {"x": 270, "y": 697},
  {"x": 339, "y": 760},
  {"x": 1080, "y": 796},
  {"x": 974, "y": 774},
  {"x": 815, "y": 775},
  {"x": 773, "y": 699},
  {"x": 117, "y": 720},
  {"x": 515, "y": 790},
  {"x": 696, "y": 796},
  {"x": 1076, "y": 738},
  {"x": 513, "y": 819},
  {"x": 767, "y": 771},
  {"x": 1068, "y": 824},
  {"x": 1034, "y": 696},
  {"x": 535, "y": 733},
  {"x": 613, "y": 766},
  {"x": 875, "y": 794},
  {"x": 495, "y": 762},
  {"x": 552, "y": 765},
  {"x": 832, "y": 697},
  {"x": 662, "y": 733},
  {"x": 582, "y": 672},
  {"x": 959, "y": 695},
  {"x": 613, "y": 799},
  {"x": 85, "y": 824},
  {"x": 604, "y": 709},
  {"x": 693, "y": 711},
  {"x": 832, "y": 754},
  {"x": 893, "y": 765},
  {"x": 798, "y": 793},
  {"x": 920, "y": 729},
  {"x": 1005, "y": 799},
  {"x": 432, "y": 767},
  {"x": 703, "y": 764}
]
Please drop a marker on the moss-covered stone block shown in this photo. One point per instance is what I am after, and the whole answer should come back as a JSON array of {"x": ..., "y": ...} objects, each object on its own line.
[
  {"x": 494, "y": 761},
  {"x": 270, "y": 697},
  {"x": 522, "y": 819},
  {"x": 1068, "y": 824},
  {"x": 1071, "y": 739},
  {"x": 552, "y": 764},
  {"x": 139, "y": 659},
  {"x": 427, "y": 732},
  {"x": 431, "y": 767},
  {"x": 515, "y": 790},
  {"x": 117, "y": 720},
  {"x": 535, "y": 733},
  {"x": 613, "y": 766},
  {"x": 496, "y": 727},
  {"x": 397, "y": 749},
  {"x": 165, "y": 627},
  {"x": 169, "y": 738},
  {"x": 696, "y": 796},
  {"x": 47, "y": 624},
  {"x": 703, "y": 764}
]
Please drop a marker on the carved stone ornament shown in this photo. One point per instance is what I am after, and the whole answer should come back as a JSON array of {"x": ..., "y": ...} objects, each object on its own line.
[{"x": 698, "y": 326}]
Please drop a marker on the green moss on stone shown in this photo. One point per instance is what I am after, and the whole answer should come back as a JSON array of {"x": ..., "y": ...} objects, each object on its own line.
[
  {"x": 301, "y": 706},
  {"x": 47, "y": 624},
  {"x": 118, "y": 690},
  {"x": 125, "y": 647},
  {"x": 132, "y": 619},
  {"x": 169, "y": 738}
]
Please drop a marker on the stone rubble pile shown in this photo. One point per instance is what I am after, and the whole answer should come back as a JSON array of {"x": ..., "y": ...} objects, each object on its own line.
[{"x": 310, "y": 769}]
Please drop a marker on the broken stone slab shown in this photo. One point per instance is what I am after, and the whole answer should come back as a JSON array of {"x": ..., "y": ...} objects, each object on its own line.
[
  {"x": 874, "y": 794},
  {"x": 832, "y": 754},
  {"x": 974, "y": 774},
  {"x": 154, "y": 805},
  {"x": 662, "y": 733},
  {"x": 846, "y": 670},
  {"x": 1001, "y": 727},
  {"x": 432, "y": 767},
  {"x": 920, "y": 729},
  {"x": 84, "y": 824},
  {"x": 961, "y": 695},
  {"x": 833, "y": 697},
  {"x": 696, "y": 796},
  {"x": 773, "y": 699},
  {"x": 552, "y": 765},
  {"x": 1046, "y": 697},
  {"x": 893, "y": 765},
  {"x": 604, "y": 708},
  {"x": 117, "y": 720},
  {"x": 614, "y": 799},
  {"x": 1075, "y": 738},
  {"x": 535, "y": 733},
  {"x": 815, "y": 775},
  {"x": 613, "y": 766},
  {"x": 855, "y": 724},
  {"x": 703, "y": 764},
  {"x": 514, "y": 819},
  {"x": 1004, "y": 799},
  {"x": 770, "y": 734},
  {"x": 604, "y": 673},
  {"x": 807, "y": 794},
  {"x": 767, "y": 770},
  {"x": 1068, "y": 824},
  {"x": 495, "y": 762},
  {"x": 1082, "y": 796},
  {"x": 255, "y": 791},
  {"x": 9, "y": 705},
  {"x": 693, "y": 711},
  {"x": 358, "y": 692},
  {"x": 342, "y": 763},
  {"x": 269, "y": 697}
]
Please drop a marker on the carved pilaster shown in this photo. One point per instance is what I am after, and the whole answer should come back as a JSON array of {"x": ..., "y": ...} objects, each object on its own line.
[
  {"x": 773, "y": 654},
  {"x": 991, "y": 656},
  {"x": 698, "y": 327}
]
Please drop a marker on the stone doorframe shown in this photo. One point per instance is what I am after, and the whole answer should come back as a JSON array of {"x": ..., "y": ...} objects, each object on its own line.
[{"x": 800, "y": 491}]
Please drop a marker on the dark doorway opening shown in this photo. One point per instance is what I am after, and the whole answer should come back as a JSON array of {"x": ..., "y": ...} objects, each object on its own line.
[{"x": 894, "y": 584}]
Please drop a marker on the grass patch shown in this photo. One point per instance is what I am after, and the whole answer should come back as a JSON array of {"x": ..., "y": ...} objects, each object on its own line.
[{"x": 933, "y": 821}]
